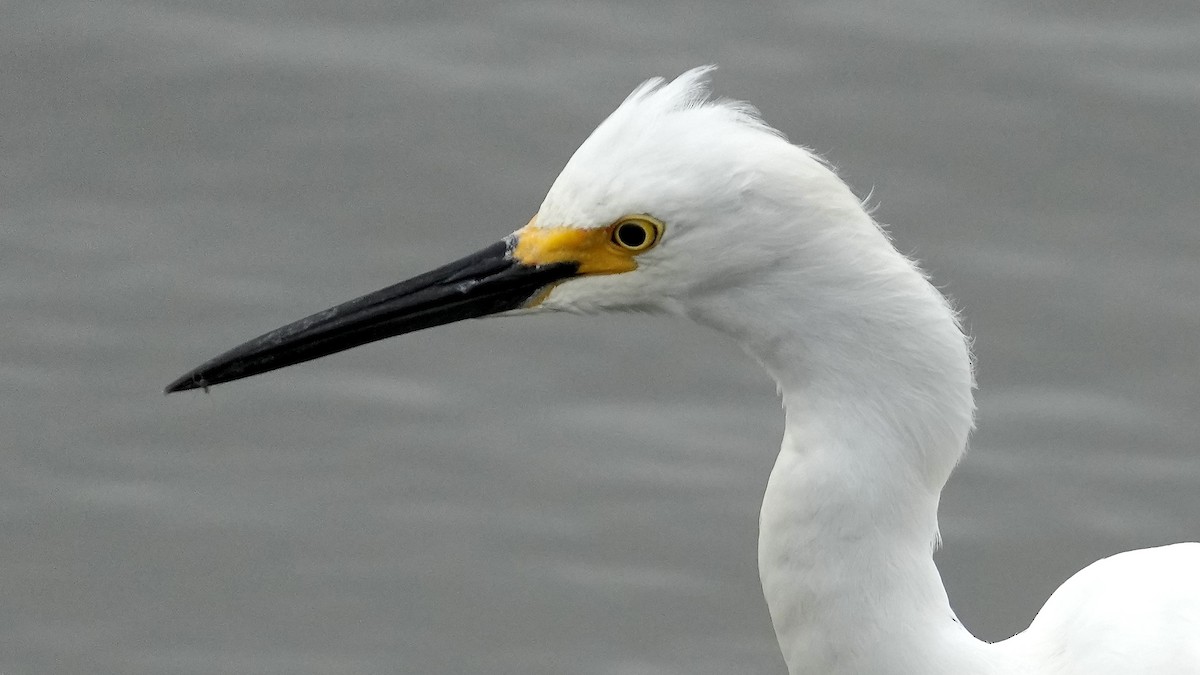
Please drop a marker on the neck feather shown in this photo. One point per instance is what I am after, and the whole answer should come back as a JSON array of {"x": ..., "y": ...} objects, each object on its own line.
[{"x": 876, "y": 381}]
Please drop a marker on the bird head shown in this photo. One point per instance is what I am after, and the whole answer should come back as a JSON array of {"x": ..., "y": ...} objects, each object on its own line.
[
  {"x": 676, "y": 203},
  {"x": 676, "y": 196}
]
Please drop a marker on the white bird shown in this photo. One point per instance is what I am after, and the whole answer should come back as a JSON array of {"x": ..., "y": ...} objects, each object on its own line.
[{"x": 683, "y": 205}]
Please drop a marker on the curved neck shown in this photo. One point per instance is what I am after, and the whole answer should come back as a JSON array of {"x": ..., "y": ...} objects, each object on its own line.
[
  {"x": 875, "y": 424},
  {"x": 845, "y": 554},
  {"x": 876, "y": 381}
]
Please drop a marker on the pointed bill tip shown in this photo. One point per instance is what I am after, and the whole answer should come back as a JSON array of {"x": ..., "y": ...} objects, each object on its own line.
[{"x": 192, "y": 380}]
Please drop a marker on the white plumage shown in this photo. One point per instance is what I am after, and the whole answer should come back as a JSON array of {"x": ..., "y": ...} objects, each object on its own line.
[
  {"x": 765, "y": 244},
  {"x": 685, "y": 206}
]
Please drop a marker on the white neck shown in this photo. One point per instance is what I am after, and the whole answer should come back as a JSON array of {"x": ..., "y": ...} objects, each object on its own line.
[
  {"x": 847, "y": 532},
  {"x": 876, "y": 382}
]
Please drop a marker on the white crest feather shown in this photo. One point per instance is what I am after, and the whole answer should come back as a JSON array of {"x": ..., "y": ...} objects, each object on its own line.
[{"x": 764, "y": 243}]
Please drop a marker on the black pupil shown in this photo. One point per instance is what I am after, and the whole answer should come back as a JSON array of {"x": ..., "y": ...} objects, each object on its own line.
[{"x": 631, "y": 235}]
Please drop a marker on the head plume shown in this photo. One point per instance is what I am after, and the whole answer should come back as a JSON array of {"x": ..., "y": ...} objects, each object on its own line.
[{"x": 663, "y": 128}]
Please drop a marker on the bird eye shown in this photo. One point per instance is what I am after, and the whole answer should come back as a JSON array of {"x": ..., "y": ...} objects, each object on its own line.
[{"x": 635, "y": 235}]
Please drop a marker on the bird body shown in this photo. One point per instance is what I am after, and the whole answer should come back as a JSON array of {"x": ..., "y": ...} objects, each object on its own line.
[{"x": 682, "y": 205}]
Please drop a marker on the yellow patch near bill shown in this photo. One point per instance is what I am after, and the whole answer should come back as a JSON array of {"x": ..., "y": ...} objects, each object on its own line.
[
  {"x": 593, "y": 249},
  {"x": 603, "y": 250}
]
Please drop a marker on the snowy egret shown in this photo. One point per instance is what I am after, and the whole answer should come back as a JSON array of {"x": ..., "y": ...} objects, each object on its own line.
[{"x": 684, "y": 205}]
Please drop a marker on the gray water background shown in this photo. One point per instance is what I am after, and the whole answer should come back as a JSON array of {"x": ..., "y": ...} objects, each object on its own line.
[{"x": 560, "y": 494}]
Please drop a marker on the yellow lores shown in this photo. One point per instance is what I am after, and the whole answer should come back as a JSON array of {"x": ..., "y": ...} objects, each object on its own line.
[{"x": 601, "y": 250}]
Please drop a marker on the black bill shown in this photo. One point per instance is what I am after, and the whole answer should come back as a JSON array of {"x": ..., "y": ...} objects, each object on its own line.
[{"x": 486, "y": 282}]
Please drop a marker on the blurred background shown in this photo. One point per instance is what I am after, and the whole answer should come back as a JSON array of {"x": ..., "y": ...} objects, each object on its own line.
[{"x": 558, "y": 494}]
